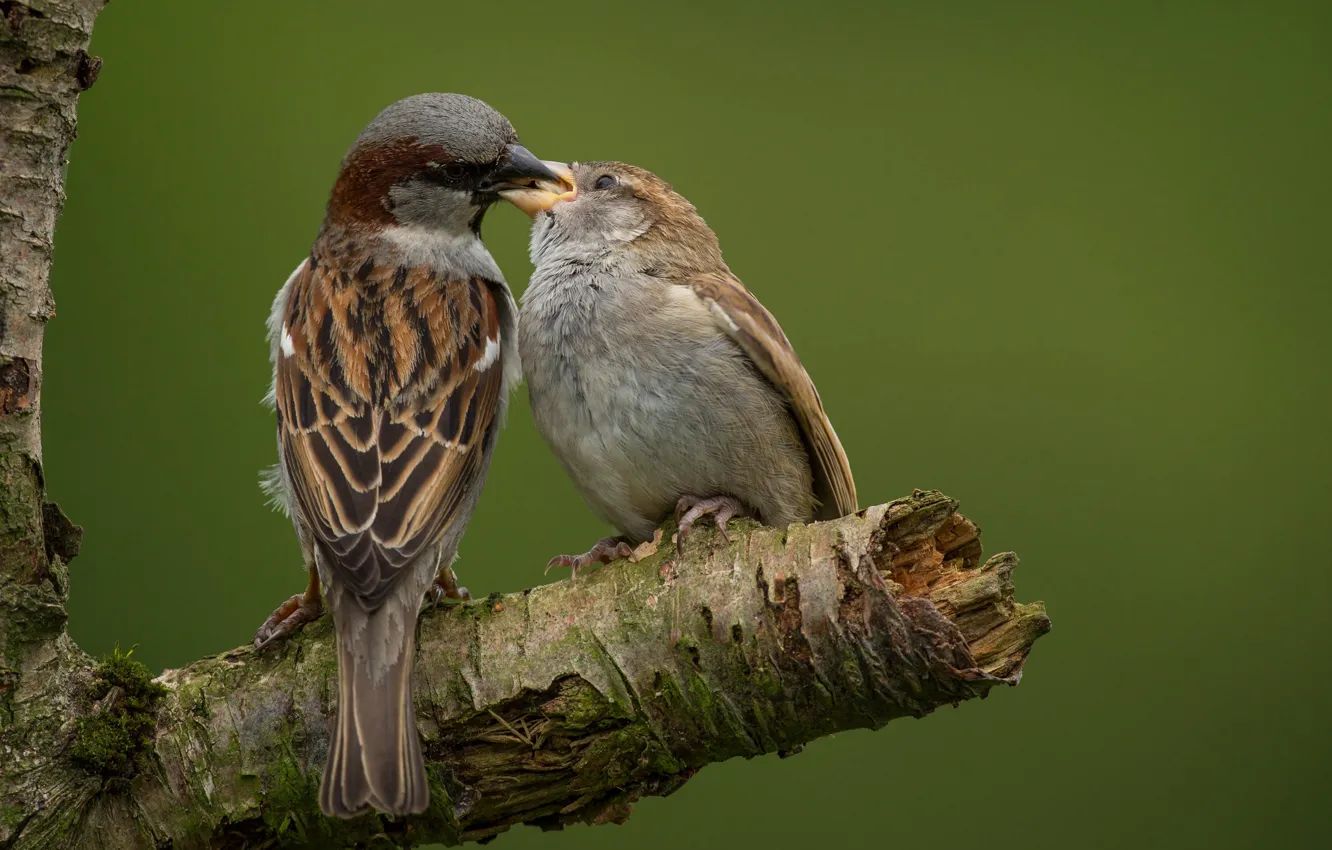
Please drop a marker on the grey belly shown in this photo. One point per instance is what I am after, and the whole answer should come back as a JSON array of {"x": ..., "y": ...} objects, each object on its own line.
[{"x": 638, "y": 434}]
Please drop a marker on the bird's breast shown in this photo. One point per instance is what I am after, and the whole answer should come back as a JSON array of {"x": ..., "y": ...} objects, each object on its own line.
[{"x": 608, "y": 355}]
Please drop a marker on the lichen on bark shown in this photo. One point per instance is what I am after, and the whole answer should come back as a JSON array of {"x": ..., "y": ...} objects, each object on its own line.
[{"x": 565, "y": 703}]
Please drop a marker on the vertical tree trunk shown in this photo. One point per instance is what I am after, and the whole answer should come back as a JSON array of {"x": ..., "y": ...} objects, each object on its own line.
[{"x": 44, "y": 65}]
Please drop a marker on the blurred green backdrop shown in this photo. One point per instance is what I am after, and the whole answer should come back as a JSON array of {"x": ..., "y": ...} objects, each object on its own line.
[{"x": 1069, "y": 265}]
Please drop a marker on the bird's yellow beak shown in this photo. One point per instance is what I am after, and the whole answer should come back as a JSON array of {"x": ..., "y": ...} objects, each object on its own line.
[{"x": 543, "y": 194}]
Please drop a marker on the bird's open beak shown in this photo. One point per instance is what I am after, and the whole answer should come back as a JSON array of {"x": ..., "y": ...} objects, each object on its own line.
[{"x": 530, "y": 184}]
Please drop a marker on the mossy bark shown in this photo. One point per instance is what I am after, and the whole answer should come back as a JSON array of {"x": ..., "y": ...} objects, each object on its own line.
[
  {"x": 565, "y": 703},
  {"x": 44, "y": 65},
  {"x": 561, "y": 704}
]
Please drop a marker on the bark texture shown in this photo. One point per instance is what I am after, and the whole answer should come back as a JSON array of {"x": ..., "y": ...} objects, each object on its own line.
[
  {"x": 44, "y": 65},
  {"x": 561, "y": 704},
  {"x": 558, "y": 705}
]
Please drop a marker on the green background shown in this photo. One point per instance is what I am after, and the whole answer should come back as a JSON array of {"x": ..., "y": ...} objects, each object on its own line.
[{"x": 1065, "y": 262}]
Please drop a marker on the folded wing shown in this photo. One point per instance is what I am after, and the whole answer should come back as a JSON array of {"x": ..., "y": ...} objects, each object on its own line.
[
  {"x": 754, "y": 329},
  {"x": 387, "y": 391}
]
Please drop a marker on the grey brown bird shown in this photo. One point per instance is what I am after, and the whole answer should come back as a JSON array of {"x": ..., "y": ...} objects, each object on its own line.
[
  {"x": 394, "y": 350},
  {"x": 658, "y": 380}
]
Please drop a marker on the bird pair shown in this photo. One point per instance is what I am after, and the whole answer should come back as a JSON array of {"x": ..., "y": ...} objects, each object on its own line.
[{"x": 655, "y": 376}]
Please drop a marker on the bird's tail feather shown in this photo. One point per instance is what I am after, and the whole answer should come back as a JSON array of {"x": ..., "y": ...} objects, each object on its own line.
[{"x": 375, "y": 758}]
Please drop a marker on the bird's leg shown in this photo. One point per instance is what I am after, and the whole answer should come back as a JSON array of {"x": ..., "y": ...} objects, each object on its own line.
[
  {"x": 607, "y": 549},
  {"x": 293, "y": 614},
  {"x": 446, "y": 586},
  {"x": 690, "y": 508}
]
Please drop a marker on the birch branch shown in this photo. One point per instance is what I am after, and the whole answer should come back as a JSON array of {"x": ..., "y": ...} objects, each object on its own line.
[{"x": 564, "y": 703}]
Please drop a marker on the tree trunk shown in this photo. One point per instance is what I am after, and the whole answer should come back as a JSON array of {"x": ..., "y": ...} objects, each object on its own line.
[
  {"x": 43, "y": 67},
  {"x": 560, "y": 704}
]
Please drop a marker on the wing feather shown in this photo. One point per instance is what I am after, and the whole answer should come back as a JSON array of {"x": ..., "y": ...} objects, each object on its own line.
[
  {"x": 384, "y": 408},
  {"x": 741, "y": 317}
]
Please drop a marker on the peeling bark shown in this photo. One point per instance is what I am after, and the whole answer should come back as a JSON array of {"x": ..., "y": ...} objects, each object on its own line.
[
  {"x": 561, "y": 704},
  {"x": 567, "y": 702}
]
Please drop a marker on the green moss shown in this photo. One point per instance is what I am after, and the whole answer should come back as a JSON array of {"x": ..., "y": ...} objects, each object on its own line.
[
  {"x": 290, "y": 805},
  {"x": 289, "y": 801},
  {"x": 116, "y": 739},
  {"x": 766, "y": 680},
  {"x": 290, "y": 810},
  {"x": 439, "y": 820},
  {"x": 581, "y": 706},
  {"x": 12, "y": 816}
]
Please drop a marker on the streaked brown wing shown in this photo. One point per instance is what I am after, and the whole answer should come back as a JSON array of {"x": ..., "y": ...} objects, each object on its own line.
[
  {"x": 386, "y": 394},
  {"x": 746, "y": 321}
]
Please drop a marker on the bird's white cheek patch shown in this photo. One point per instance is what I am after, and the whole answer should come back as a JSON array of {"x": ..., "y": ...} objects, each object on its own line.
[
  {"x": 490, "y": 355},
  {"x": 288, "y": 347}
]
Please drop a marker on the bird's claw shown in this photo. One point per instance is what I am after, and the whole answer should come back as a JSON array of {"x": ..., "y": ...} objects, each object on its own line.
[
  {"x": 289, "y": 617},
  {"x": 689, "y": 509},
  {"x": 607, "y": 549},
  {"x": 446, "y": 586}
]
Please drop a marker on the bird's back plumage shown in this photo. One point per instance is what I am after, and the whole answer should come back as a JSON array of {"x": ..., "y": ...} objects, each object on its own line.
[
  {"x": 393, "y": 376},
  {"x": 389, "y": 388},
  {"x": 394, "y": 349}
]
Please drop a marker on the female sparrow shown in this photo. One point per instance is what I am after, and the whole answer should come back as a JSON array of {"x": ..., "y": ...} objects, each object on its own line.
[
  {"x": 393, "y": 350},
  {"x": 658, "y": 380}
]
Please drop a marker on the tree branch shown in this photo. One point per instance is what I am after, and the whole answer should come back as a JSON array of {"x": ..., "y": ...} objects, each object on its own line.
[
  {"x": 561, "y": 704},
  {"x": 567, "y": 702}
]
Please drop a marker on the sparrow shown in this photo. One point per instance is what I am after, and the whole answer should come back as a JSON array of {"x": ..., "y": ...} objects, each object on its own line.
[
  {"x": 657, "y": 379},
  {"x": 394, "y": 350}
]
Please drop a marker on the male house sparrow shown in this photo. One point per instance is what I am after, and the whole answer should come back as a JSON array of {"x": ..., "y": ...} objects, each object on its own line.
[
  {"x": 658, "y": 380},
  {"x": 393, "y": 351}
]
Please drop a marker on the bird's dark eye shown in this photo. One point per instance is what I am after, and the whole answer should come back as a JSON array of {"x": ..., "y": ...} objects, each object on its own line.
[
  {"x": 455, "y": 170},
  {"x": 606, "y": 181}
]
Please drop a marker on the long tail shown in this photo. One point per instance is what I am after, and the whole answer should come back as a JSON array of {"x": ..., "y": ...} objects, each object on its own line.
[{"x": 375, "y": 756}]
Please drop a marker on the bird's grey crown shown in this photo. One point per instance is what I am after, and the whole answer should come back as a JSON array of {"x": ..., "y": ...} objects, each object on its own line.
[{"x": 469, "y": 130}]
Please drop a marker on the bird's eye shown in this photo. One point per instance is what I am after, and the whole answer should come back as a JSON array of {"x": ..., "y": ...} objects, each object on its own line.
[
  {"x": 455, "y": 170},
  {"x": 606, "y": 181}
]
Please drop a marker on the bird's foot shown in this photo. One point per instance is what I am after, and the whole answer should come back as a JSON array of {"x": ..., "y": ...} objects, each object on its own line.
[
  {"x": 691, "y": 508},
  {"x": 607, "y": 549},
  {"x": 446, "y": 587},
  {"x": 288, "y": 618}
]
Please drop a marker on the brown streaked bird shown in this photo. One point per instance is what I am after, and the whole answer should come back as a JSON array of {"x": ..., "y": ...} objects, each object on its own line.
[
  {"x": 658, "y": 380},
  {"x": 394, "y": 349}
]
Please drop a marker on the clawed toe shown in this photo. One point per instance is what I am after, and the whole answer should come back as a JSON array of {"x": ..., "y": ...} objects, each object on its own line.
[
  {"x": 689, "y": 509},
  {"x": 289, "y": 617},
  {"x": 606, "y": 550},
  {"x": 440, "y": 593},
  {"x": 446, "y": 587}
]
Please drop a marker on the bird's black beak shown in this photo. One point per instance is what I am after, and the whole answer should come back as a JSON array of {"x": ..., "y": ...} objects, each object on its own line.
[
  {"x": 527, "y": 182},
  {"x": 518, "y": 168}
]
